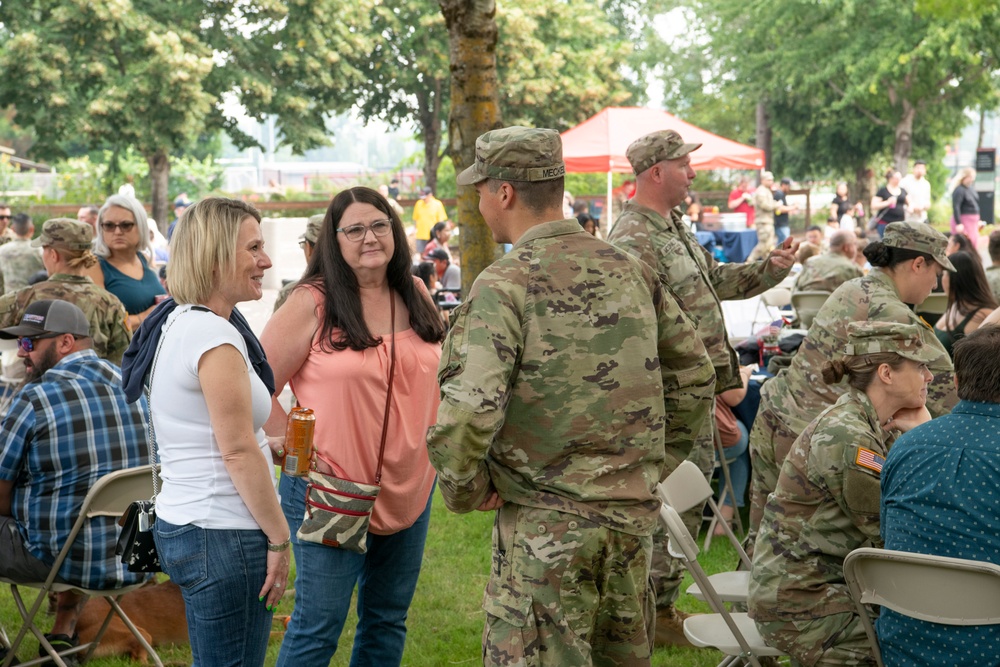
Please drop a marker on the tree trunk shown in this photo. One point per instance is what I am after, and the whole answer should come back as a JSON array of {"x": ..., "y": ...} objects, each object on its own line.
[
  {"x": 764, "y": 134},
  {"x": 159, "y": 177},
  {"x": 982, "y": 126},
  {"x": 429, "y": 116},
  {"x": 475, "y": 108},
  {"x": 864, "y": 189},
  {"x": 904, "y": 138}
]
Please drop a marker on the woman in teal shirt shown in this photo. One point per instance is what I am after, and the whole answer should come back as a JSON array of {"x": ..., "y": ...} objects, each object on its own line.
[{"x": 120, "y": 244}]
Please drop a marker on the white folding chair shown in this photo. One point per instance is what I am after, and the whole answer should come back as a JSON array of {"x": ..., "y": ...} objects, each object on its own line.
[
  {"x": 110, "y": 496},
  {"x": 950, "y": 591},
  {"x": 775, "y": 298},
  {"x": 806, "y": 304},
  {"x": 735, "y": 634}
]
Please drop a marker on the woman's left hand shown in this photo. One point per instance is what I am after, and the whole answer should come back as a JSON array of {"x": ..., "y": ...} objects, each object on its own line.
[
  {"x": 277, "y": 445},
  {"x": 908, "y": 418},
  {"x": 276, "y": 579}
]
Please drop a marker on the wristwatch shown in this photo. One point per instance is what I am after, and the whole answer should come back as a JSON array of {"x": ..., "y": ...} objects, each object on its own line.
[{"x": 279, "y": 547}]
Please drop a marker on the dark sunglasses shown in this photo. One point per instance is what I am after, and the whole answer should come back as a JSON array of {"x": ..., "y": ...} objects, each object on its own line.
[
  {"x": 28, "y": 344},
  {"x": 4, "y": 217},
  {"x": 126, "y": 227}
]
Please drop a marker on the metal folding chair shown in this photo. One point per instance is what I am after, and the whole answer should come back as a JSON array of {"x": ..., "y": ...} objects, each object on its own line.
[
  {"x": 806, "y": 304},
  {"x": 110, "y": 496},
  {"x": 735, "y": 634},
  {"x": 951, "y": 591}
]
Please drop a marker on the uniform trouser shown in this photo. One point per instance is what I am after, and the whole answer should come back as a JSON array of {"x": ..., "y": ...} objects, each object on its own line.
[
  {"x": 765, "y": 241},
  {"x": 770, "y": 441},
  {"x": 667, "y": 572},
  {"x": 838, "y": 640},
  {"x": 565, "y": 591}
]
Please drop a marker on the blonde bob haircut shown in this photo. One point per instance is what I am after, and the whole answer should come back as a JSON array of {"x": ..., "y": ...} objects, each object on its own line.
[{"x": 203, "y": 247}]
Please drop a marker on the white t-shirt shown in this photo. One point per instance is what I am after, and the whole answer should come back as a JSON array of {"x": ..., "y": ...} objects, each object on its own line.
[
  {"x": 196, "y": 487},
  {"x": 918, "y": 193}
]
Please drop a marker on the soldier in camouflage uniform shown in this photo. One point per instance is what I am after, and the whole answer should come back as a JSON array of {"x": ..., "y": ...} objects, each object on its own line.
[
  {"x": 571, "y": 383},
  {"x": 826, "y": 503},
  {"x": 6, "y": 235},
  {"x": 307, "y": 242},
  {"x": 18, "y": 259},
  {"x": 650, "y": 227},
  {"x": 827, "y": 272},
  {"x": 66, "y": 252},
  {"x": 764, "y": 206},
  {"x": 906, "y": 265}
]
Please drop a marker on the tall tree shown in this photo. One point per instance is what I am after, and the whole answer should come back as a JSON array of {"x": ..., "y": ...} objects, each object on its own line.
[
  {"x": 557, "y": 64},
  {"x": 475, "y": 108},
  {"x": 155, "y": 75}
]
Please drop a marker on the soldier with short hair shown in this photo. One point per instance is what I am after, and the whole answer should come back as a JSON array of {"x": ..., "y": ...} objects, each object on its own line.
[
  {"x": 571, "y": 383},
  {"x": 827, "y": 272},
  {"x": 826, "y": 502},
  {"x": 651, "y": 228},
  {"x": 66, "y": 254},
  {"x": 19, "y": 260}
]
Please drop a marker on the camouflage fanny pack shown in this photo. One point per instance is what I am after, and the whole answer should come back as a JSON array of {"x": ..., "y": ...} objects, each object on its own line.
[{"x": 339, "y": 510}]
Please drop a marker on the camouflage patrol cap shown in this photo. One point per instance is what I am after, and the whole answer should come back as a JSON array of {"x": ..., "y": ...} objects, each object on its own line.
[
  {"x": 516, "y": 154},
  {"x": 905, "y": 340},
  {"x": 312, "y": 228},
  {"x": 920, "y": 237},
  {"x": 655, "y": 147},
  {"x": 66, "y": 233}
]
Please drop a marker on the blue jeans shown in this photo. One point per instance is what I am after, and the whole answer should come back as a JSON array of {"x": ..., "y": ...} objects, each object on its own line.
[
  {"x": 782, "y": 233},
  {"x": 220, "y": 573},
  {"x": 738, "y": 458},
  {"x": 325, "y": 578}
]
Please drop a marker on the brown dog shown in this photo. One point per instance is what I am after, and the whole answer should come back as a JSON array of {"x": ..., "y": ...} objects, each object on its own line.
[{"x": 157, "y": 611}]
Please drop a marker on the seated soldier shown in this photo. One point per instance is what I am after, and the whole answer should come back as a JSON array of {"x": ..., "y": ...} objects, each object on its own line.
[
  {"x": 937, "y": 499},
  {"x": 827, "y": 272},
  {"x": 66, "y": 428},
  {"x": 826, "y": 502}
]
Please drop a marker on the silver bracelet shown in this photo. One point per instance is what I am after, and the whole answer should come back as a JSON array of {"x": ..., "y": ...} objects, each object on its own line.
[{"x": 279, "y": 547}]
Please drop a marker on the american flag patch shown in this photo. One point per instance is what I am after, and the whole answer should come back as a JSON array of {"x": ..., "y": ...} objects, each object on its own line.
[{"x": 866, "y": 458}]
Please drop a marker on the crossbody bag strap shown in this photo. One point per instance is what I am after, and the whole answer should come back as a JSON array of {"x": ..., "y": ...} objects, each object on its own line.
[{"x": 388, "y": 396}]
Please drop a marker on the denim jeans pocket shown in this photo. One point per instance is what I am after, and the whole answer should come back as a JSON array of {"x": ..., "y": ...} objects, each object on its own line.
[{"x": 183, "y": 553}]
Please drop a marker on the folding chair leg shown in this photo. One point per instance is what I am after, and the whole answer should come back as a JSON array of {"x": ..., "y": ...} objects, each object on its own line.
[{"x": 135, "y": 631}]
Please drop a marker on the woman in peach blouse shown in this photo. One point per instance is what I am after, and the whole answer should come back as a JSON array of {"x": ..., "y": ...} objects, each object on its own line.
[{"x": 331, "y": 341}]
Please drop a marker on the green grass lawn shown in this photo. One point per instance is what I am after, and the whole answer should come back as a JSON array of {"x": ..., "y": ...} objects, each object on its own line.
[{"x": 445, "y": 620}]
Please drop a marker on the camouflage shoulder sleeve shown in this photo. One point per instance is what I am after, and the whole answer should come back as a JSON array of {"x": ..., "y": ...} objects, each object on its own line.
[
  {"x": 8, "y": 310},
  {"x": 850, "y": 459},
  {"x": 119, "y": 335},
  {"x": 478, "y": 361},
  {"x": 685, "y": 368},
  {"x": 631, "y": 233}
]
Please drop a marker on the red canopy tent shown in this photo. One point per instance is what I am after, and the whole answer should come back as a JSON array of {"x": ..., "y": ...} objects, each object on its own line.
[{"x": 599, "y": 143}]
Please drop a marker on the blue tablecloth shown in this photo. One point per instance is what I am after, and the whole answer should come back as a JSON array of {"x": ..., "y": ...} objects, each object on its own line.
[{"x": 736, "y": 246}]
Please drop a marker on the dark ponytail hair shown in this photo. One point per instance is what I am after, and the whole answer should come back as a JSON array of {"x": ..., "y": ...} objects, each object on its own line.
[{"x": 887, "y": 256}]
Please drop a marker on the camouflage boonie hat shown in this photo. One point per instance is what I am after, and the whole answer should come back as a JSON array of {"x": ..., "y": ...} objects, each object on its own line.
[
  {"x": 920, "y": 237},
  {"x": 903, "y": 339},
  {"x": 646, "y": 151},
  {"x": 516, "y": 154},
  {"x": 66, "y": 233},
  {"x": 312, "y": 228}
]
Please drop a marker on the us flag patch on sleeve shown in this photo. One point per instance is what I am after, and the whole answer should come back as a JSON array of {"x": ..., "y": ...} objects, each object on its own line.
[{"x": 866, "y": 458}]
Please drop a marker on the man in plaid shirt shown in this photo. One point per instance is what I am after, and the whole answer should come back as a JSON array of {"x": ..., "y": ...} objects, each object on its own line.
[{"x": 66, "y": 428}]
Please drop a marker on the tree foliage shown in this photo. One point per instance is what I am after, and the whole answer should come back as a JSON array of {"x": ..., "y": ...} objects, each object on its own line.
[
  {"x": 156, "y": 75},
  {"x": 557, "y": 64}
]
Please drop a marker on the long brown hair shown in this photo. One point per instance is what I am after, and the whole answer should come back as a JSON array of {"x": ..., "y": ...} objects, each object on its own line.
[
  {"x": 328, "y": 271},
  {"x": 968, "y": 289}
]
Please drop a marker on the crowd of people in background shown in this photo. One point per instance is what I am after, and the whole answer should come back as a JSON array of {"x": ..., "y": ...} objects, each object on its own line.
[{"x": 505, "y": 405}]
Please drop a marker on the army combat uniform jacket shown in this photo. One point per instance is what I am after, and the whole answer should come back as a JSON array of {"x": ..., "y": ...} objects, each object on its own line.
[
  {"x": 104, "y": 311},
  {"x": 570, "y": 381},
  {"x": 826, "y": 504},
  {"x": 699, "y": 281},
  {"x": 825, "y": 273}
]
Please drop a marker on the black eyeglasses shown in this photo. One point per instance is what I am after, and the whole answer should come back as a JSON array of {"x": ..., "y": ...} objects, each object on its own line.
[
  {"x": 126, "y": 227},
  {"x": 357, "y": 233},
  {"x": 27, "y": 344}
]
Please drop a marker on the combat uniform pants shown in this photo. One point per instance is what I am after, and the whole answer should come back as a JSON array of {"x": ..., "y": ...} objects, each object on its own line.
[
  {"x": 770, "y": 441},
  {"x": 765, "y": 241},
  {"x": 565, "y": 591},
  {"x": 838, "y": 640}
]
